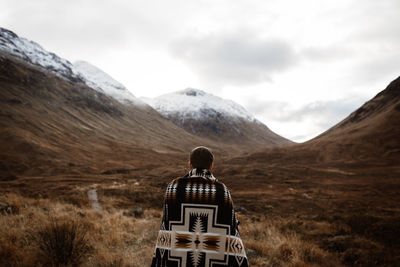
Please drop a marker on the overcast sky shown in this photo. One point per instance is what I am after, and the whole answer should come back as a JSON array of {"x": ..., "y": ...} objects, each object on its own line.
[{"x": 299, "y": 66}]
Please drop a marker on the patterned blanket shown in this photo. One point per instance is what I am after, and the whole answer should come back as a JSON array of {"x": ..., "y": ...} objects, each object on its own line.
[{"x": 199, "y": 227}]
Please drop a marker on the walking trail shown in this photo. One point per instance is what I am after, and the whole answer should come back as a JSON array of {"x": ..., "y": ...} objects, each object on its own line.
[{"x": 92, "y": 194}]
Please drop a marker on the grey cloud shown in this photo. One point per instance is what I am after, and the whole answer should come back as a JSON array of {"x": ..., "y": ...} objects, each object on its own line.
[
  {"x": 324, "y": 114},
  {"x": 236, "y": 58}
]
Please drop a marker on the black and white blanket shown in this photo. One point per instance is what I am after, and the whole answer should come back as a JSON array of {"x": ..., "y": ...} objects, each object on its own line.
[{"x": 199, "y": 227}]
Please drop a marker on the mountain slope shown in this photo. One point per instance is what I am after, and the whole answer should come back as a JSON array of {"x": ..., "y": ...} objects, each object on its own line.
[
  {"x": 370, "y": 132},
  {"x": 81, "y": 71},
  {"x": 59, "y": 118},
  {"x": 49, "y": 123},
  {"x": 33, "y": 53},
  {"x": 212, "y": 117},
  {"x": 367, "y": 137},
  {"x": 52, "y": 121}
]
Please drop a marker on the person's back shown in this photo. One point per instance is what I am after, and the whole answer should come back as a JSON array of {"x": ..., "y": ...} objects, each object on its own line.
[{"x": 199, "y": 226}]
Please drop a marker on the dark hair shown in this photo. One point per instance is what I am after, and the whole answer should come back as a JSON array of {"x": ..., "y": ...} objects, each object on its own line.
[{"x": 201, "y": 158}]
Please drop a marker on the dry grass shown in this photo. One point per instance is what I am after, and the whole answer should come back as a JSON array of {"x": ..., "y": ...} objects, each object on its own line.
[
  {"x": 124, "y": 232},
  {"x": 41, "y": 227},
  {"x": 31, "y": 236},
  {"x": 269, "y": 245}
]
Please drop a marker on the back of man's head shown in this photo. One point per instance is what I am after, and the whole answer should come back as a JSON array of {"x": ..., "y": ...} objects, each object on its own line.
[{"x": 201, "y": 158}]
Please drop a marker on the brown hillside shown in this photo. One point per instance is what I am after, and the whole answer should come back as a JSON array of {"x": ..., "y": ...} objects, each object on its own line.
[
  {"x": 249, "y": 135},
  {"x": 370, "y": 135},
  {"x": 51, "y": 125}
]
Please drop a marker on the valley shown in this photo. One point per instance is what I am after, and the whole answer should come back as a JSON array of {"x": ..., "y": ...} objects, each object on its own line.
[{"x": 331, "y": 201}]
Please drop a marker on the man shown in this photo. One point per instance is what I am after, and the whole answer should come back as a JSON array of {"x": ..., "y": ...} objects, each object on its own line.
[{"x": 199, "y": 227}]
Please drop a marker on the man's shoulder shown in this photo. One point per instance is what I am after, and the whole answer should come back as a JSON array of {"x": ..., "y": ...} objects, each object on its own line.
[
  {"x": 196, "y": 180},
  {"x": 176, "y": 180}
]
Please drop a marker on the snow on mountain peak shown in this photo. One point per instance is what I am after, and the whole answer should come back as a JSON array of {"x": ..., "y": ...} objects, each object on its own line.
[
  {"x": 81, "y": 71},
  {"x": 102, "y": 82},
  {"x": 35, "y": 54},
  {"x": 197, "y": 104}
]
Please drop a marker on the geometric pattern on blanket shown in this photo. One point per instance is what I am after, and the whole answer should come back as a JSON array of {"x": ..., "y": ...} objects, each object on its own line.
[{"x": 198, "y": 237}]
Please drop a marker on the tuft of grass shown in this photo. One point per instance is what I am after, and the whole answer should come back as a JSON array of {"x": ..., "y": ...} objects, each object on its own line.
[{"x": 62, "y": 243}]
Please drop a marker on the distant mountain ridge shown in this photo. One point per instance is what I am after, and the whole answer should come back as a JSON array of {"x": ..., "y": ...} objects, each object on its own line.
[
  {"x": 196, "y": 111},
  {"x": 56, "y": 117},
  {"x": 35, "y": 54},
  {"x": 80, "y": 71},
  {"x": 369, "y": 136},
  {"x": 207, "y": 115},
  {"x": 387, "y": 99},
  {"x": 52, "y": 120},
  {"x": 371, "y": 131},
  {"x": 195, "y": 103}
]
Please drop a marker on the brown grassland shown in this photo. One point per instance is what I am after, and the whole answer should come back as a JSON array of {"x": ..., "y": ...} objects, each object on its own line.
[{"x": 290, "y": 216}]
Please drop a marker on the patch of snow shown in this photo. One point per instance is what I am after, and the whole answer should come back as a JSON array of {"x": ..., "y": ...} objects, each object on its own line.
[
  {"x": 35, "y": 54},
  {"x": 92, "y": 76},
  {"x": 197, "y": 104},
  {"x": 102, "y": 82}
]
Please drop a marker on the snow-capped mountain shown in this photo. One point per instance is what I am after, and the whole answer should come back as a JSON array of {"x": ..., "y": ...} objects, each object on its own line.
[
  {"x": 35, "y": 54},
  {"x": 102, "y": 82},
  {"x": 210, "y": 116},
  {"x": 81, "y": 71},
  {"x": 197, "y": 104},
  {"x": 50, "y": 121},
  {"x": 214, "y": 120}
]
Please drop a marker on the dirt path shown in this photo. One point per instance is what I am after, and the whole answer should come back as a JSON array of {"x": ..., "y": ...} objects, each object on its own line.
[{"x": 92, "y": 194}]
